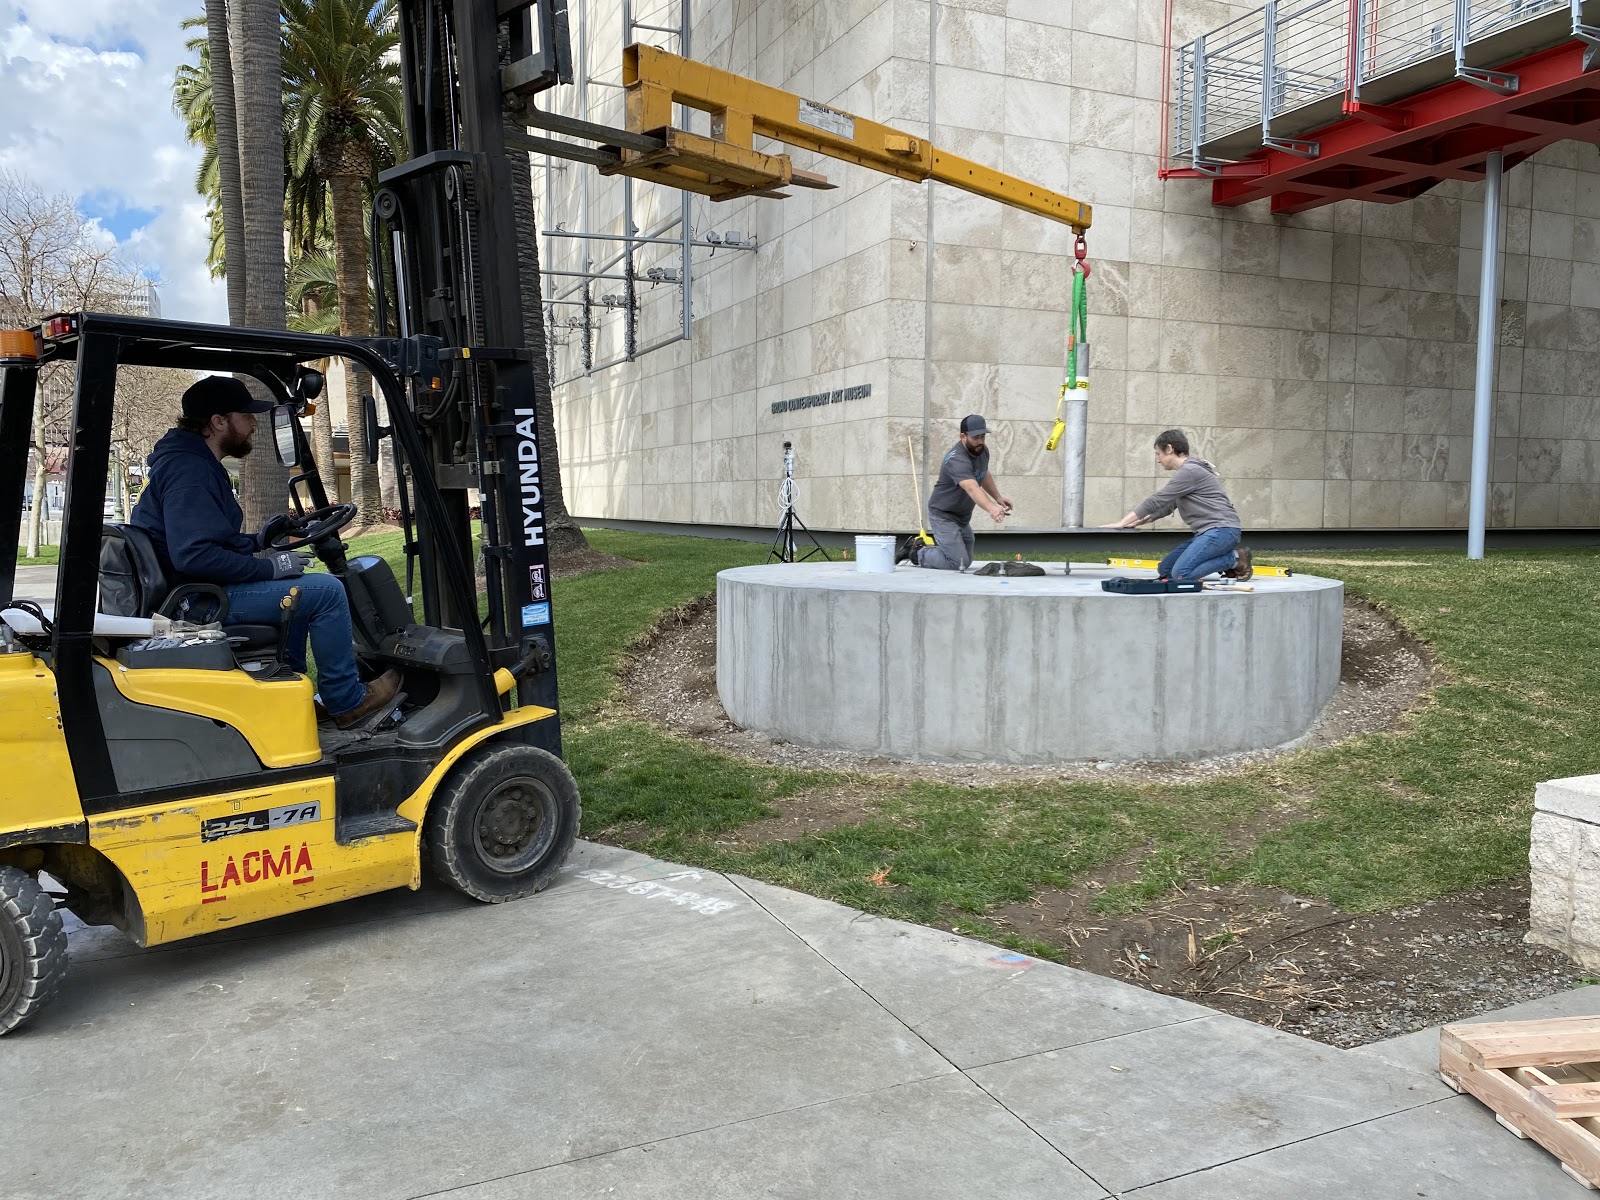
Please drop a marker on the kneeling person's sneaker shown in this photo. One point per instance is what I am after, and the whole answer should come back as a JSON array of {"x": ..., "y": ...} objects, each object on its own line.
[
  {"x": 380, "y": 692},
  {"x": 908, "y": 550},
  {"x": 1242, "y": 569}
]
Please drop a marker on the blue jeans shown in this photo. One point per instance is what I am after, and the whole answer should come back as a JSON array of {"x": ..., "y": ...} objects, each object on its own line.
[
  {"x": 1201, "y": 555},
  {"x": 324, "y": 615},
  {"x": 952, "y": 544}
]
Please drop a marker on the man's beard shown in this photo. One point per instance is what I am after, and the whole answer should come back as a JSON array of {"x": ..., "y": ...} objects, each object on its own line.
[{"x": 237, "y": 445}]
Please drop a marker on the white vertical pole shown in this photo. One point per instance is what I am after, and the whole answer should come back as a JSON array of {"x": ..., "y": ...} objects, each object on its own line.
[{"x": 1488, "y": 342}]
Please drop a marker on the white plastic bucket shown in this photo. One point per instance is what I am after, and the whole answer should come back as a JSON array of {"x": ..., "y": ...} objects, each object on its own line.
[{"x": 874, "y": 554}]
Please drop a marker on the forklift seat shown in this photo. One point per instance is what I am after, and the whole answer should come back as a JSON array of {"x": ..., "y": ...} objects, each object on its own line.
[{"x": 132, "y": 584}]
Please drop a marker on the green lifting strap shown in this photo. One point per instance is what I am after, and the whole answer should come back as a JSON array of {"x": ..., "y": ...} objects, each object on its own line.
[{"x": 1078, "y": 323}]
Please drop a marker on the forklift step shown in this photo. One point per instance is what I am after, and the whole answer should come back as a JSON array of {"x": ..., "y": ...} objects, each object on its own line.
[{"x": 372, "y": 825}]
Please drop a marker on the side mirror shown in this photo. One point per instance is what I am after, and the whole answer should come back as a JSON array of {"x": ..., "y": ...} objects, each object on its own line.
[
  {"x": 283, "y": 436},
  {"x": 369, "y": 415},
  {"x": 308, "y": 383}
]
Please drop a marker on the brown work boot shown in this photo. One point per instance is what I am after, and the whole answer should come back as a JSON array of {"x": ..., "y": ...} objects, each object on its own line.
[
  {"x": 1242, "y": 569},
  {"x": 379, "y": 692}
]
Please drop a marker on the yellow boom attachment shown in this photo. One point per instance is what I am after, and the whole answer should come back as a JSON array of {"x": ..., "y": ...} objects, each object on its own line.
[{"x": 727, "y": 164}]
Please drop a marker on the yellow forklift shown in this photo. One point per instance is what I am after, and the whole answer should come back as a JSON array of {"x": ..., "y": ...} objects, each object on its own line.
[
  {"x": 174, "y": 781},
  {"x": 171, "y": 781}
]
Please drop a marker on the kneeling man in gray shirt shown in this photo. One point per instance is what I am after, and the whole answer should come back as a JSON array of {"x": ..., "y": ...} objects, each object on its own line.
[
  {"x": 965, "y": 482},
  {"x": 1196, "y": 492}
]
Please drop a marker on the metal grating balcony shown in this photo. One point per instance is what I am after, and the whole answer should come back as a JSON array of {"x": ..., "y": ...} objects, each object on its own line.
[{"x": 1249, "y": 92}]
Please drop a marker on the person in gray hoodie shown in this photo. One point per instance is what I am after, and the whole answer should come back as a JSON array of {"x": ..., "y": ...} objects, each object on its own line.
[{"x": 1196, "y": 492}]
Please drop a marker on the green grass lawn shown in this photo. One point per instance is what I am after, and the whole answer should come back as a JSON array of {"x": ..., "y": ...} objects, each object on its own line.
[
  {"x": 49, "y": 556},
  {"x": 1439, "y": 805}
]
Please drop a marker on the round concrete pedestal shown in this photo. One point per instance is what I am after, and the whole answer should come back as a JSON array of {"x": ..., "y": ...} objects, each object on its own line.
[{"x": 938, "y": 666}]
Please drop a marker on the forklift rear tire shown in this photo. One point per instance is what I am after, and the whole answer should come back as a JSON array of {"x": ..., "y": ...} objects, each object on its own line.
[
  {"x": 503, "y": 823},
  {"x": 33, "y": 948}
]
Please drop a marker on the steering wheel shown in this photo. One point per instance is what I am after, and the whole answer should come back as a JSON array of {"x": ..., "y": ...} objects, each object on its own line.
[{"x": 314, "y": 526}]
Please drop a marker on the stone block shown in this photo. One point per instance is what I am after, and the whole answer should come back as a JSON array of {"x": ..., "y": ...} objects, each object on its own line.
[
  {"x": 1383, "y": 311},
  {"x": 1192, "y": 241},
  {"x": 1306, "y": 254},
  {"x": 1251, "y": 248},
  {"x": 1298, "y": 454},
  {"x": 1242, "y": 350},
  {"x": 1385, "y": 263},
  {"x": 1375, "y": 456},
  {"x": 1299, "y": 403},
  {"x": 1304, "y": 304},
  {"x": 1538, "y": 504},
  {"x": 1189, "y": 347},
  {"x": 1297, "y": 503},
  {"x": 1580, "y": 464},
  {"x": 1585, "y": 285},
  {"x": 1303, "y": 354},
  {"x": 1338, "y": 454},
  {"x": 1245, "y": 403},
  {"x": 1336, "y": 504},
  {"x": 969, "y": 38},
  {"x": 1248, "y": 300},
  {"x": 1103, "y": 64},
  {"x": 1554, "y": 189},
  {"x": 1586, "y": 239},
  {"x": 1098, "y": 118},
  {"x": 1374, "y": 504},
  {"x": 1551, "y": 235},
  {"x": 1037, "y": 51}
]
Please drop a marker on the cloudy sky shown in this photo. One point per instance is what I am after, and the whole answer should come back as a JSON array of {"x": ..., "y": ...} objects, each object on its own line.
[{"x": 86, "y": 109}]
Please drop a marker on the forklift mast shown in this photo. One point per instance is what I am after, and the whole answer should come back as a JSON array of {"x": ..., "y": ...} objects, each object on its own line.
[{"x": 450, "y": 302}]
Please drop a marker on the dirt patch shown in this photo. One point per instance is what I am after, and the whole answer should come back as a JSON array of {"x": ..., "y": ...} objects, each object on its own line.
[
  {"x": 585, "y": 562},
  {"x": 1341, "y": 978},
  {"x": 810, "y": 812},
  {"x": 671, "y": 680}
]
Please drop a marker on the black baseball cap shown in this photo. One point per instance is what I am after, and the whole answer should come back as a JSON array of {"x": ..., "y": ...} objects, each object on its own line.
[
  {"x": 216, "y": 395},
  {"x": 973, "y": 426}
]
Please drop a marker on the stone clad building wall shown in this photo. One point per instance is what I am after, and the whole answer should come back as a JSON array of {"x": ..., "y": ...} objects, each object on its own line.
[{"x": 1323, "y": 361}]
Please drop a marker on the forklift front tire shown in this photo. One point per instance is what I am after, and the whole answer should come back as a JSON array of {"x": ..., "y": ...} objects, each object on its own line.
[
  {"x": 33, "y": 948},
  {"x": 503, "y": 822}
]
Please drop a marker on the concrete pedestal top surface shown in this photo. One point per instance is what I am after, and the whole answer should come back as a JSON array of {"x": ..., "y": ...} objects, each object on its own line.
[{"x": 939, "y": 666}]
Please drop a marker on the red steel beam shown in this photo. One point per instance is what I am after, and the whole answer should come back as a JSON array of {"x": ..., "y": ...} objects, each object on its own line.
[{"x": 1443, "y": 133}]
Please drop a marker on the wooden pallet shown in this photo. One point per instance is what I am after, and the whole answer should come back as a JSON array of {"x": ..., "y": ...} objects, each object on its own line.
[{"x": 1541, "y": 1078}]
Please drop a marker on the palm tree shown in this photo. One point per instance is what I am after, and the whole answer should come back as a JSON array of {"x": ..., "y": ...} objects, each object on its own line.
[
  {"x": 313, "y": 307},
  {"x": 205, "y": 99},
  {"x": 343, "y": 109}
]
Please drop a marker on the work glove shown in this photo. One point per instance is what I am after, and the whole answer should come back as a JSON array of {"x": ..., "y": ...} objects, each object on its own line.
[
  {"x": 276, "y": 527},
  {"x": 288, "y": 564}
]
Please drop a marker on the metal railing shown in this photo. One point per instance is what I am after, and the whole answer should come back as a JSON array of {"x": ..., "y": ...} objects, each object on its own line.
[
  {"x": 1309, "y": 58},
  {"x": 1272, "y": 72}
]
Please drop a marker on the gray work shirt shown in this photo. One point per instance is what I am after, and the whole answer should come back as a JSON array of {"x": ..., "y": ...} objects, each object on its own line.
[
  {"x": 948, "y": 495},
  {"x": 1196, "y": 492}
]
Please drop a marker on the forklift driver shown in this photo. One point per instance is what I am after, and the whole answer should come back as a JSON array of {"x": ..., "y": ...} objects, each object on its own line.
[{"x": 188, "y": 509}]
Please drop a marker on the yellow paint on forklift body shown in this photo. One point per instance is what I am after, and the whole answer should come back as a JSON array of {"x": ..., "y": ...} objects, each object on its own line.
[
  {"x": 37, "y": 788},
  {"x": 188, "y": 885},
  {"x": 275, "y": 716}
]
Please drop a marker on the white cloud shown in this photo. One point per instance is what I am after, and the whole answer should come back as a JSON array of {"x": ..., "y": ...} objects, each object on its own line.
[{"x": 86, "y": 87}]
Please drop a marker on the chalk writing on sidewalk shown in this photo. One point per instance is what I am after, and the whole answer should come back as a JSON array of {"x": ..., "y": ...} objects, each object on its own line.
[{"x": 708, "y": 905}]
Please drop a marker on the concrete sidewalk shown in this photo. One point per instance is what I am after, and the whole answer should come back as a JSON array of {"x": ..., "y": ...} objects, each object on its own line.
[
  {"x": 36, "y": 583},
  {"x": 645, "y": 1030}
]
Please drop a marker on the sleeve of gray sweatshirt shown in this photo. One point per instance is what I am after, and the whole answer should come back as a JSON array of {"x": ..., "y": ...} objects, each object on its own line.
[{"x": 1184, "y": 481}]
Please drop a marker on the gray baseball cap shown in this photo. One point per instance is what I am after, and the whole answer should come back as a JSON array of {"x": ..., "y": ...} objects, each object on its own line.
[{"x": 973, "y": 426}]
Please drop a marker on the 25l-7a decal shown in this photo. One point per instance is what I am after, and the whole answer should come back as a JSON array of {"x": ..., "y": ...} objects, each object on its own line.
[{"x": 260, "y": 821}]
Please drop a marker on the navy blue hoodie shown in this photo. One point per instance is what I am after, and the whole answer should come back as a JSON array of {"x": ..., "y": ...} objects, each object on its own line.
[{"x": 187, "y": 508}]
